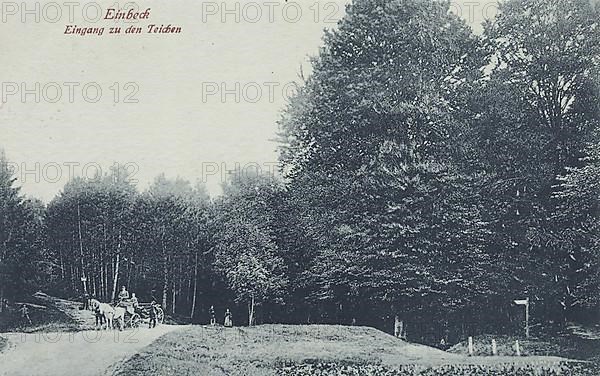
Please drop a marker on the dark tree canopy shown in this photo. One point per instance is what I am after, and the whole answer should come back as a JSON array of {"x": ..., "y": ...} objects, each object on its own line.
[{"x": 427, "y": 173}]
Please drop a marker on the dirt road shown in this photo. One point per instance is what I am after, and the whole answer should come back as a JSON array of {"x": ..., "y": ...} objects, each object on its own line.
[{"x": 77, "y": 353}]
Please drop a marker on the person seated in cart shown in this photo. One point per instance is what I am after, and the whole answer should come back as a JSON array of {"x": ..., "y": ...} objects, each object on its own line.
[
  {"x": 123, "y": 295},
  {"x": 135, "y": 304},
  {"x": 134, "y": 300}
]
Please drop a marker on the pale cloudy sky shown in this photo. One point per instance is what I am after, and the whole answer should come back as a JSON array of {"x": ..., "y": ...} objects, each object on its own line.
[{"x": 181, "y": 124}]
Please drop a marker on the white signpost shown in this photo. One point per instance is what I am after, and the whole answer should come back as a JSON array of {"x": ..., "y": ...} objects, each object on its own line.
[
  {"x": 525, "y": 302},
  {"x": 84, "y": 280}
]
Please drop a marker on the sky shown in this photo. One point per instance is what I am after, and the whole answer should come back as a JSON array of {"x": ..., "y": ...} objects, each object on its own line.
[{"x": 193, "y": 104}]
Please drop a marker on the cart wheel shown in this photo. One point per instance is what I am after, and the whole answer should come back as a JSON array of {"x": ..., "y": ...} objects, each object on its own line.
[
  {"x": 160, "y": 315},
  {"x": 136, "y": 320}
]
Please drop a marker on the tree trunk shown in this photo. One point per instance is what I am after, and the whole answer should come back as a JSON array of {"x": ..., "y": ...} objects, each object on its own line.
[
  {"x": 188, "y": 297},
  {"x": 102, "y": 282},
  {"x": 103, "y": 266},
  {"x": 113, "y": 265},
  {"x": 174, "y": 290},
  {"x": 72, "y": 278},
  {"x": 195, "y": 287},
  {"x": 165, "y": 276},
  {"x": 251, "y": 312},
  {"x": 180, "y": 281},
  {"x": 62, "y": 265},
  {"x": 116, "y": 272},
  {"x": 83, "y": 277},
  {"x": 115, "y": 278},
  {"x": 129, "y": 274}
]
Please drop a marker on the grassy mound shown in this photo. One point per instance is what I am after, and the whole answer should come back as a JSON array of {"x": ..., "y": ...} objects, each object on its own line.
[
  {"x": 297, "y": 350},
  {"x": 46, "y": 314}
]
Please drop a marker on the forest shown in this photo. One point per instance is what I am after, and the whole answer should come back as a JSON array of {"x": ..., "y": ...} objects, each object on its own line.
[{"x": 426, "y": 172}]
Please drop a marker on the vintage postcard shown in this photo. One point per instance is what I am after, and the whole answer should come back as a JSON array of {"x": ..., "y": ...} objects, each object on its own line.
[{"x": 300, "y": 187}]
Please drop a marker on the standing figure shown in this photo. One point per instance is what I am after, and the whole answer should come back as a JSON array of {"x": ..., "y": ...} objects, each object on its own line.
[
  {"x": 213, "y": 319},
  {"x": 25, "y": 313},
  {"x": 443, "y": 343},
  {"x": 228, "y": 323},
  {"x": 86, "y": 301},
  {"x": 153, "y": 314}
]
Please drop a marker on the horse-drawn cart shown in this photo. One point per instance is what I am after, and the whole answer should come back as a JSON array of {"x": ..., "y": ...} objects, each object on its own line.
[
  {"x": 125, "y": 314},
  {"x": 133, "y": 317},
  {"x": 130, "y": 318}
]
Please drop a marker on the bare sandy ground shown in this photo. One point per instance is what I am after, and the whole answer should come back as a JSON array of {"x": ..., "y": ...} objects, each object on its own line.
[{"x": 77, "y": 353}]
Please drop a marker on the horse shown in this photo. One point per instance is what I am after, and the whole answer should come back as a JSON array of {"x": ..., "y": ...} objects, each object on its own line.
[
  {"x": 95, "y": 307},
  {"x": 103, "y": 311}
]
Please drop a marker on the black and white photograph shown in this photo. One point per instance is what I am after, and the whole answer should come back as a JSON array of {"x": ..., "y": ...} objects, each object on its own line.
[{"x": 300, "y": 187}]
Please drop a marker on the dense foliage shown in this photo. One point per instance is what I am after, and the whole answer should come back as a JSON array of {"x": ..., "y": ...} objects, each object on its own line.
[
  {"x": 22, "y": 256},
  {"x": 429, "y": 174}
]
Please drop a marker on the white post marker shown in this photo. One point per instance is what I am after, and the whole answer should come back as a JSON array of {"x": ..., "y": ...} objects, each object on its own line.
[
  {"x": 517, "y": 348},
  {"x": 397, "y": 327},
  {"x": 471, "y": 346},
  {"x": 525, "y": 302},
  {"x": 84, "y": 280},
  {"x": 494, "y": 347}
]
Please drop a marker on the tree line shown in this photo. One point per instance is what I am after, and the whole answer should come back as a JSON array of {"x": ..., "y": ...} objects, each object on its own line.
[{"x": 426, "y": 172}]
